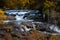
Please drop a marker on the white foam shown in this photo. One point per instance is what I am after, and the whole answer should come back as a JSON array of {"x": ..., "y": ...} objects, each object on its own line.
[{"x": 55, "y": 28}]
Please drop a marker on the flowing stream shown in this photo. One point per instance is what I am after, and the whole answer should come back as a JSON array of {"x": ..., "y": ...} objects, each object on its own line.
[{"x": 19, "y": 19}]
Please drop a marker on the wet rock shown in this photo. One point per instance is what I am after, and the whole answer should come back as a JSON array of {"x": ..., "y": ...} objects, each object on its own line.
[
  {"x": 11, "y": 18},
  {"x": 27, "y": 24}
]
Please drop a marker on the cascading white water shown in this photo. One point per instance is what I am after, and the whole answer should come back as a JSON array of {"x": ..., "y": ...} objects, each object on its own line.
[
  {"x": 20, "y": 15},
  {"x": 55, "y": 28}
]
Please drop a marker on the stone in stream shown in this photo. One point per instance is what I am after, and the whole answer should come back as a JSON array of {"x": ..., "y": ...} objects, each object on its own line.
[
  {"x": 27, "y": 24},
  {"x": 11, "y": 18}
]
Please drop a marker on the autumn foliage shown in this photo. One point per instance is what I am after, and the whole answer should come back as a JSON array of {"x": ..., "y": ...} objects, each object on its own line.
[
  {"x": 10, "y": 31},
  {"x": 2, "y": 15}
]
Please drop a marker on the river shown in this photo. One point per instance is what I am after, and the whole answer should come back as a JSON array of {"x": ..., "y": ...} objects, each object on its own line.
[{"x": 20, "y": 19}]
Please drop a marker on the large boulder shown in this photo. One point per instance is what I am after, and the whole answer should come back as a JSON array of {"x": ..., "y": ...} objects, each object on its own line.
[{"x": 11, "y": 18}]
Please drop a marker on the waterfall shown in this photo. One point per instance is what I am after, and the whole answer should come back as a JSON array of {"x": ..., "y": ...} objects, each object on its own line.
[{"x": 19, "y": 17}]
